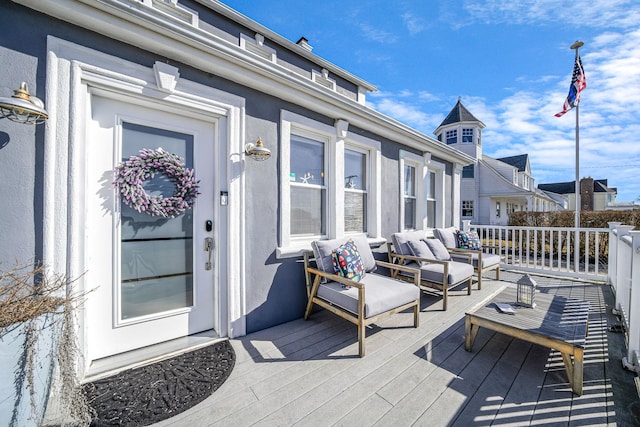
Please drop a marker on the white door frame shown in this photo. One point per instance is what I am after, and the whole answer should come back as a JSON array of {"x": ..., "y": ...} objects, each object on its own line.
[{"x": 72, "y": 71}]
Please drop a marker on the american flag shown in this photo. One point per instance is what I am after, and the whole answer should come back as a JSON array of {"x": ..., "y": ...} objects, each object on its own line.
[{"x": 578, "y": 83}]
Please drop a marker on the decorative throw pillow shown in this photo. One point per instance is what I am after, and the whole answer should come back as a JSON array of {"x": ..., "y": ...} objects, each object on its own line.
[
  {"x": 439, "y": 251},
  {"x": 469, "y": 240},
  {"x": 347, "y": 262}
]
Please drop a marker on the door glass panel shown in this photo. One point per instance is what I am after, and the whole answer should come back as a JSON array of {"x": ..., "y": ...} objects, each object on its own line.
[{"x": 156, "y": 253}]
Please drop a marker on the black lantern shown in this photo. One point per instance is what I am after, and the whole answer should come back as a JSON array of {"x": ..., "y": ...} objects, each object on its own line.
[{"x": 526, "y": 292}]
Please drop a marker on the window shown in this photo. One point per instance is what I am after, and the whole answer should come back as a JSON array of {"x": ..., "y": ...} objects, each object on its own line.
[
  {"x": 467, "y": 135},
  {"x": 452, "y": 136},
  {"x": 318, "y": 199},
  {"x": 468, "y": 171},
  {"x": 307, "y": 185},
  {"x": 410, "y": 202},
  {"x": 431, "y": 199},
  {"x": 355, "y": 191},
  {"x": 467, "y": 208}
]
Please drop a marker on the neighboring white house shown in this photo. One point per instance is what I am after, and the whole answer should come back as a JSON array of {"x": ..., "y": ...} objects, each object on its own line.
[{"x": 491, "y": 188}]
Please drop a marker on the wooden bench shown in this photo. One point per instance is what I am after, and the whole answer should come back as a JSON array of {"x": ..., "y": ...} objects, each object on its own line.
[{"x": 556, "y": 322}]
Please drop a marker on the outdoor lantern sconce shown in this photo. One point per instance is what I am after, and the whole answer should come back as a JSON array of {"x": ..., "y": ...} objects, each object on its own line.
[
  {"x": 526, "y": 292},
  {"x": 23, "y": 108},
  {"x": 257, "y": 151}
]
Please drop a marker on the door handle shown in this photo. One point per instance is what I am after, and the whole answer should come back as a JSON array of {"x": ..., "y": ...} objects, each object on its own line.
[{"x": 208, "y": 246}]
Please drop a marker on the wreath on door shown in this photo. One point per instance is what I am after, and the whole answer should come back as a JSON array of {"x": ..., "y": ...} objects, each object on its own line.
[{"x": 131, "y": 174}]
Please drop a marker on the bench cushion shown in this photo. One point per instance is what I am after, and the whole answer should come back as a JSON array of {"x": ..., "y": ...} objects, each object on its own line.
[{"x": 382, "y": 294}]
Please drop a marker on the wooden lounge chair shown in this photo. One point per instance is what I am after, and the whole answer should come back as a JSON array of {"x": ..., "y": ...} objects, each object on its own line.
[
  {"x": 438, "y": 270},
  {"x": 482, "y": 261},
  {"x": 362, "y": 302}
]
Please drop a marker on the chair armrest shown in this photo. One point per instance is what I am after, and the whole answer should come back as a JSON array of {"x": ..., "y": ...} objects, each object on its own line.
[
  {"x": 397, "y": 267},
  {"x": 335, "y": 278}
]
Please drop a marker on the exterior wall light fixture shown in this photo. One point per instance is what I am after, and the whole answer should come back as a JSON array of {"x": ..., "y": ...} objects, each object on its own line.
[
  {"x": 23, "y": 108},
  {"x": 257, "y": 151}
]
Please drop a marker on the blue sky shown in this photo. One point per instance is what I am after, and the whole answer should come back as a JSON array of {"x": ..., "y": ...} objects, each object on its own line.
[{"x": 509, "y": 61}]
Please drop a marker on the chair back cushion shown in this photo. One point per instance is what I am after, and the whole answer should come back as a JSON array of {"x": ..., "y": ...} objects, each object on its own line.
[
  {"x": 469, "y": 240},
  {"x": 439, "y": 250},
  {"x": 347, "y": 262},
  {"x": 420, "y": 249},
  {"x": 401, "y": 241},
  {"x": 323, "y": 252},
  {"x": 447, "y": 236}
]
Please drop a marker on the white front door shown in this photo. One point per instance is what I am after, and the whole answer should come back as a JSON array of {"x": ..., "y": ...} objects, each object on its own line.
[{"x": 151, "y": 279}]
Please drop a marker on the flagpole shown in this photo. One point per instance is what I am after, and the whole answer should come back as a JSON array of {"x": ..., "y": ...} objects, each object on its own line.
[{"x": 576, "y": 253}]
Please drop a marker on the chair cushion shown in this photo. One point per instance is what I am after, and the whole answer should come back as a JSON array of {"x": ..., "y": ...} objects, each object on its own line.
[
  {"x": 400, "y": 241},
  {"x": 323, "y": 252},
  {"x": 439, "y": 250},
  {"x": 469, "y": 240},
  {"x": 420, "y": 249},
  {"x": 447, "y": 236},
  {"x": 382, "y": 294},
  {"x": 458, "y": 272},
  {"x": 346, "y": 261}
]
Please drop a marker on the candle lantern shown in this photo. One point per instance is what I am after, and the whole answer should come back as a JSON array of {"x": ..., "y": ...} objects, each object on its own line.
[{"x": 526, "y": 292}]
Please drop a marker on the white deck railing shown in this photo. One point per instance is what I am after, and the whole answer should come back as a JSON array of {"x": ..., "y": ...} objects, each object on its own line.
[
  {"x": 624, "y": 278},
  {"x": 551, "y": 250},
  {"x": 610, "y": 255}
]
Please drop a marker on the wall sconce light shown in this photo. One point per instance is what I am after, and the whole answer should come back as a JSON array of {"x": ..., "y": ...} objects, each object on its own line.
[
  {"x": 257, "y": 151},
  {"x": 526, "y": 292},
  {"x": 23, "y": 108}
]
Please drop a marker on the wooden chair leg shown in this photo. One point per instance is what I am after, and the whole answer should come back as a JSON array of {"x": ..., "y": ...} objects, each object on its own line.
[
  {"x": 479, "y": 279},
  {"x": 444, "y": 298},
  {"x": 469, "y": 282},
  {"x": 498, "y": 273},
  {"x": 361, "y": 336},
  {"x": 416, "y": 314}
]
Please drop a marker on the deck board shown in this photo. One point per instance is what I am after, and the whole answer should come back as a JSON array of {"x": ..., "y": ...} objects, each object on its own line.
[{"x": 307, "y": 373}]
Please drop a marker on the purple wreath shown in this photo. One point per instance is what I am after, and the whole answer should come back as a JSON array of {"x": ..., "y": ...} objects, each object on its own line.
[{"x": 132, "y": 173}]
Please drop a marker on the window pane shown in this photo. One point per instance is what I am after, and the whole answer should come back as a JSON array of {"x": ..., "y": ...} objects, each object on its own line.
[
  {"x": 307, "y": 206},
  {"x": 156, "y": 253},
  {"x": 307, "y": 161},
  {"x": 409, "y": 214},
  {"x": 467, "y": 171},
  {"x": 355, "y": 170},
  {"x": 431, "y": 185},
  {"x": 355, "y": 212},
  {"x": 431, "y": 213},
  {"x": 409, "y": 181}
]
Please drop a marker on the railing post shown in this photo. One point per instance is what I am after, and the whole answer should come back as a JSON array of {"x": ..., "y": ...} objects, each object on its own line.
[
  {"x": 622, "y": 277},
  {"x": 633, "y": 334},
  {"x": 466, "y": 224},
  {"x": 613, "y": 251}
]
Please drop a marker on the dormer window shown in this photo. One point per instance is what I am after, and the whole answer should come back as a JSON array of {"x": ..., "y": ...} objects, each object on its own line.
[
  {"x": 467, "y": 135},
  {"x": 452, "y": 137}
]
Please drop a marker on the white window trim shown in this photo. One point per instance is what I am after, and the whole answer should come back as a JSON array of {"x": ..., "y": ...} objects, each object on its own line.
[
  {"x": 439, "y": 170},
  {"x": 336, "y": 138},
  {"x": 372, "y": 149},
  {"x": 410, "y": 159}
]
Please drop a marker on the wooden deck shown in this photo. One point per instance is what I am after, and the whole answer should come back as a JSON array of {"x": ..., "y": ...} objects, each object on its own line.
[{"x": 307, "y": 372}]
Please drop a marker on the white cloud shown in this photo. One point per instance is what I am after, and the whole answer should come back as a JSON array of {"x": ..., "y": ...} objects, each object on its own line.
[{"x": 414, "y": 24}]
